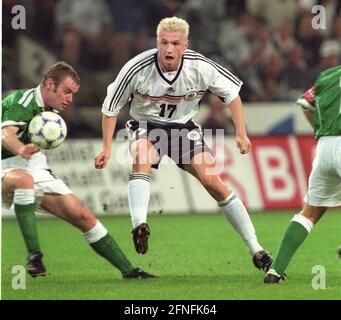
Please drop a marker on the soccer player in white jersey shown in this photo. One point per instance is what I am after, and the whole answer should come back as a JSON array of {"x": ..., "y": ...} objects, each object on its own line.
[{"x": 164, "y": 86}]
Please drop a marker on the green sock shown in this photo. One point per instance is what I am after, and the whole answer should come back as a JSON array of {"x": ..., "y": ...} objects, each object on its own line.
[
  {"x": 108, "y": 249},
  {"x": 293, "y": 238},
  {"x": 27, "y": 221}
]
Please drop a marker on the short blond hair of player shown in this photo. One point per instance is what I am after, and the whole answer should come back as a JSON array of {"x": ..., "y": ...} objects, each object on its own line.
[{"x": 173, "y": 24}]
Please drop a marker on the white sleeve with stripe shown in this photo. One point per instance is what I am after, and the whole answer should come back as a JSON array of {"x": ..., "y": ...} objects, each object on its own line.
[
  {"x": 119, "y": 91},
  {"x": 222, "y": 83},
  {"x": 117, "y": 94}
]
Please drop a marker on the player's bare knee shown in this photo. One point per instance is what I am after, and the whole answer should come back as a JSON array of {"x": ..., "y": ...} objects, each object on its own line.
[
  {"x": 18, "y": 179},
  {"x": 83, "y": 219},
  {"x": 86, "y": 215}
]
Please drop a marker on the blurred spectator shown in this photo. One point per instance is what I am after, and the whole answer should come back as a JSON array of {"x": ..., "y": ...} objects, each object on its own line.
[
  {"x": 10, "y": 76},
  {"x": 271, "y": 72},
  {"x": 204, "y": 17},
  {"x": 218, "y": 117},
  {"x": 44, "y": 21},
  {"x": 130, "y": 30},
  {"x": 157, "y": 10},
  {"x": 243, "y": 44},
  {"x": 85, "y": 29},
  {"x": 309, "y": 38},
  {"x": 274, "y": 12},
  {"x": 295, "y": 74},
  {"x": 284, "y": 39},
  {"x": 336, "y": 29},
  {"x": 330, "y": 52},
  {"x": 234, "y": 8}
]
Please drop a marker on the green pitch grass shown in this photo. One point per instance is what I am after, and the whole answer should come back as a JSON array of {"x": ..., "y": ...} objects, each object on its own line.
[{"x": 196, "y": 256}]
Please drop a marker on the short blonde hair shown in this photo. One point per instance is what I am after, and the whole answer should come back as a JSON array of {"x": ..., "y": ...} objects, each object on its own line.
[{"x": 173, "y": 24}]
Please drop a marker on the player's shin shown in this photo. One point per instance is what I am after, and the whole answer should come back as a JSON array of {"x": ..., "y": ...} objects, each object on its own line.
[
  {"x": 298, "y": 229},
  {"x": 138, "y": 195},
  {"x": 103, "y": 243},
  {"x": 237, "y": 215},
  {"x": 24, "y": 207}
]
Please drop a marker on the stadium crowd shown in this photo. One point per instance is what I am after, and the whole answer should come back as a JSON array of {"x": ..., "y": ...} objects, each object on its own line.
[{"x": 271, "y": 45}]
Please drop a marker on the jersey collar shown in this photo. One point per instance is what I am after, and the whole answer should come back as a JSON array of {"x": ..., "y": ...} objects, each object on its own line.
[
  {"x": 161, "y": 73},
  {"x": 38, "y": 96}
]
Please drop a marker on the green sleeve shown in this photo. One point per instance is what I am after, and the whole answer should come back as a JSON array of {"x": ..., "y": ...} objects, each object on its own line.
[{"x": 15, "y": 115}]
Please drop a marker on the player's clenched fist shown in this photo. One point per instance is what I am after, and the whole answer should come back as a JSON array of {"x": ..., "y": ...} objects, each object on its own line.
[
  {"x": 244, "y": 144},
  {"x": 102, "y": 159}
]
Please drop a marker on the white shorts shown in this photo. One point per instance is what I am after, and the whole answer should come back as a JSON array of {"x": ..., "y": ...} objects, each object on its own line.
[
  {"x": 44, "y": 182},
  {"x": 324, "y": 189}
]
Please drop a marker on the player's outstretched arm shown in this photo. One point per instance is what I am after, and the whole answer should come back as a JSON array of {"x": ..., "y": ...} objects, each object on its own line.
[
  {"x": 237, "y": 112},
  {"x": 108, "y": 129},
  {"x": 11, "y": 142}
]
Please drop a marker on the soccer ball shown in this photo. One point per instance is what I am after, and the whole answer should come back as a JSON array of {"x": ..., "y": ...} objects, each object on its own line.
[{"x": 47, "y": 130}]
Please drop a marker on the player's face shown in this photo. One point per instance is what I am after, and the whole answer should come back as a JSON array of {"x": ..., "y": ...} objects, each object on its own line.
[
  {"x": 61, "y": 96},
  {"x": 171, "y": 45}
]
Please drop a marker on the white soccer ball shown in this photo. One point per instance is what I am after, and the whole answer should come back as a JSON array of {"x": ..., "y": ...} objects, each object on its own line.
[{"x": 47, "y": 130}]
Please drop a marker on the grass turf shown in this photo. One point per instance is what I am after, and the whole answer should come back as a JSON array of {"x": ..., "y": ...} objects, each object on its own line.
[{"x": 197, "y": 257}]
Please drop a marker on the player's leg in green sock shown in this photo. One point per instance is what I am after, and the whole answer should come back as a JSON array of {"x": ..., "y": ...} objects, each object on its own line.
[
  {"x": 298, "y": 229},
  {"x": 24, "y": 207},
  {"x": 103, "y": 243}
]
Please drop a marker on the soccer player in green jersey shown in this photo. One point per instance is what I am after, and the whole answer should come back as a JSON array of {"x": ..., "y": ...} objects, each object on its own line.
[
  {"x": 322, "y": 107},
  {"x": 28, "y": 182}
]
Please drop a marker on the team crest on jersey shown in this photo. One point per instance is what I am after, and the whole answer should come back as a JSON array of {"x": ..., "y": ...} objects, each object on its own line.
[
  {"x": 193, "y": 135},
  {"x": 191, "y": 95}
]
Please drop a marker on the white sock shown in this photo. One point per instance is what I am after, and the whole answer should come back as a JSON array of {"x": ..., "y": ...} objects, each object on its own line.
[
  {"x": 236, "y": 213},
  {"x": 96, "y": 233},
  {"x": 138, "y": 196},
  {"x": 23, "y": 196},
  {"x": 303, "y": 221}
]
